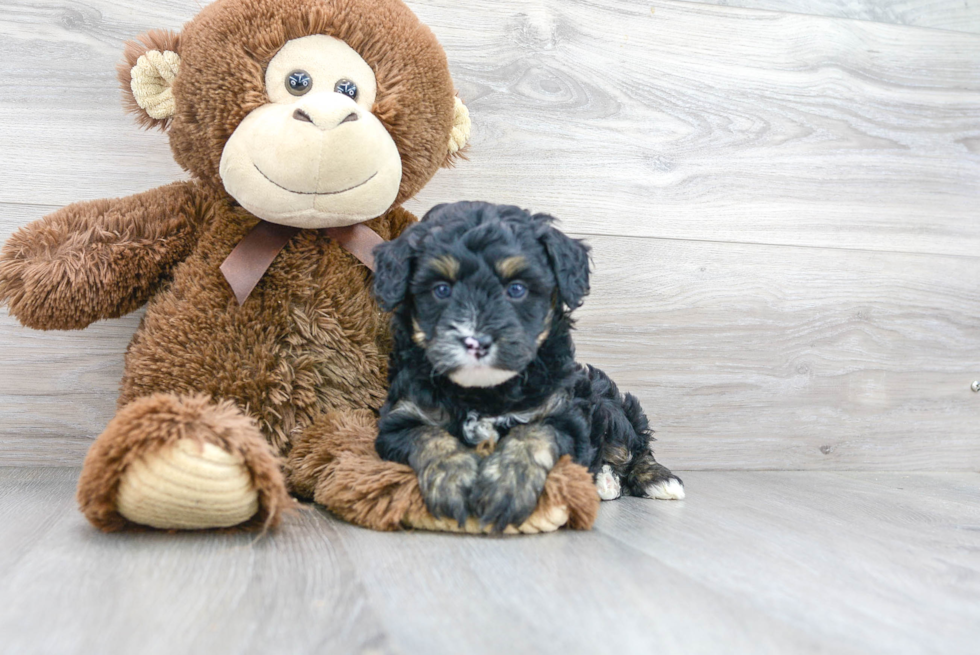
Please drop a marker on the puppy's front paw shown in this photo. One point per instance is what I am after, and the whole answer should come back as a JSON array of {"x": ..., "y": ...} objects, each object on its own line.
[
  {"x": 508, "y": 487},
  {"x": 446, "y": 483}
]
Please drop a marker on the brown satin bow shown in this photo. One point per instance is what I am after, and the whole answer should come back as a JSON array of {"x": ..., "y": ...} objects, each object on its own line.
[{"x": 251, "y": 258}]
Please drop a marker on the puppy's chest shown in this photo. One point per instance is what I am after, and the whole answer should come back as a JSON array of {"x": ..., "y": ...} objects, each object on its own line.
[{"x": 485, "y": 429}]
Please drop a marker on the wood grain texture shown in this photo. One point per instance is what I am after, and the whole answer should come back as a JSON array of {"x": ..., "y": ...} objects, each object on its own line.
[
  {"x": 81, "y": 591},
  {"x": 760, "y": 538},
  {"x": 712, "y": 123},
  {"x": 792, "y": 562},
  {"x": 955, "y": 15},
  {"x": 689, "y": 121},
  {"x": 765, "y": 357},
  {"x": 715, "y": 133}
]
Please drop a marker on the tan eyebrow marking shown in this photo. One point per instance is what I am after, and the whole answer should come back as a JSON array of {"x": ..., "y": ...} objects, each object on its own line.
[
  {"x": 510, "y": 266},
  {"x": 446, "y": 265}
]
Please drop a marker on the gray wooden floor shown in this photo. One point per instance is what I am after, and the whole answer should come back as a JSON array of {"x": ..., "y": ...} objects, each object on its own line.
[{"x": 751, "y": 562}]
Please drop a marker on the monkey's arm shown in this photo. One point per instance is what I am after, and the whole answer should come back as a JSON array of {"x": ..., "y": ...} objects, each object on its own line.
[{"x": 98, "y": 259}]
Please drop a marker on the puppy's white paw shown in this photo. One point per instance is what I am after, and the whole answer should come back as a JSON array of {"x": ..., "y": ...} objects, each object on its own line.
[
  {"x": 608, "y": 484},
  {"x": 669, "y": 489}
]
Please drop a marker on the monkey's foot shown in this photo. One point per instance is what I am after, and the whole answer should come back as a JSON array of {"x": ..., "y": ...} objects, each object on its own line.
[
  {"x": 188, "y": 485},
  {"x": 543, "y": 519},
  {"x": 177, "y": 462}
]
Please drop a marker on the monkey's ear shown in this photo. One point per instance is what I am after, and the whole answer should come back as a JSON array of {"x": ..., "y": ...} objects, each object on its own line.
[
  {"x": 570, "y": 262},
  {"x": 392, "y": 269},
  {"x": 147, "y": 73},
  {"x": 460, "y": 134}
]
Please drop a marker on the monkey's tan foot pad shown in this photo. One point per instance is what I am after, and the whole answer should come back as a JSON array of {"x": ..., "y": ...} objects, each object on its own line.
[
  {"x": 544, "y": 519},
  {"x": 188, "y": 485},
  {"x": 547, "y": 519}
]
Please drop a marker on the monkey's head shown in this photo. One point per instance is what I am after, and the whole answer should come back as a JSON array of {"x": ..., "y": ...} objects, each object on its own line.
[{"x": 311, "y": 113}]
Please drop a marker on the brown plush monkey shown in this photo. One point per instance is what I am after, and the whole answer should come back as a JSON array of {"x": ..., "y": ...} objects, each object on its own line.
[{"x": 261, "y": 360}]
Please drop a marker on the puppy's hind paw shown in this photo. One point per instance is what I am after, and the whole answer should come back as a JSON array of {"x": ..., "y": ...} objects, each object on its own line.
[
  {"x": 667, "y": 489},
  {"x": 649, "y": 479}
]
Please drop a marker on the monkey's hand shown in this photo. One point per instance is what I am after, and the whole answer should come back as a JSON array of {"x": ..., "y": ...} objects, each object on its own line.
[
  {"x": 98, "y": 259},
  {"x": 512, "y": 478}
]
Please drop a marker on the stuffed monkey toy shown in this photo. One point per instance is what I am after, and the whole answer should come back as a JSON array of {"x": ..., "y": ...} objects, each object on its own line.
[{"x": 261, "y": 360}]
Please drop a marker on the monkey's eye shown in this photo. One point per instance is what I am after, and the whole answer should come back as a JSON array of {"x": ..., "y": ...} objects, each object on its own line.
[
  {"x": 299, "y": 82},
  {"x": 442, "y": 291},
  {"x": 516, "y": 290},
  {"x": 346, "y": 87}
]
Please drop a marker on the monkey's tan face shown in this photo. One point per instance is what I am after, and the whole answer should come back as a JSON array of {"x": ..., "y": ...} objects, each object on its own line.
[{"x": 315, "y": 156}]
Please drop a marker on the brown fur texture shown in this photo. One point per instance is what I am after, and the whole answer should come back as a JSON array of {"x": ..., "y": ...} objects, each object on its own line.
[
  {"x": 309, "y": 340},
  {"x": 301, "y": 365},
  {"x": 229, "y": 44},
  {"x": 99, "y": 259}
]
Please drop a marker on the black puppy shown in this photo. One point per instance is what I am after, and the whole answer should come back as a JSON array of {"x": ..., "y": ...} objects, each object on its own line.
[{"x": 485, "y": 394}]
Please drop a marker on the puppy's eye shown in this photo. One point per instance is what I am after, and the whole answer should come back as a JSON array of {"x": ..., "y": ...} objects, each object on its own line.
[
  {"x": 516, "y": 290},
  {"x": 442, "y": 291},
  {"x": 299, "y": 82},
  {"x": 346, "y": 87}
]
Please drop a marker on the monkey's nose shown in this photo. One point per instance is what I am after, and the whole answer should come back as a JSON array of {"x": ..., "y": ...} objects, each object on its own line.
[{"x": 304, "y": 116}]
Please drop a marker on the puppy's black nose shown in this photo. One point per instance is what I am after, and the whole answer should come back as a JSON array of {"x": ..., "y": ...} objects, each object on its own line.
[{"x": 478, "y": 346}]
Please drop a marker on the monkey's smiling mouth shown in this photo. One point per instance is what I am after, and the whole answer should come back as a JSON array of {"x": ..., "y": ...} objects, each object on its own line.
[{"x": 315, "y": 193}]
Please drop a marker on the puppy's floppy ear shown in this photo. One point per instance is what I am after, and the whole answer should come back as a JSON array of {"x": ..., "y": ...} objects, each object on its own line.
[
  {"x": 569, "y": 260},
  {"x": 392, "y": 269}
]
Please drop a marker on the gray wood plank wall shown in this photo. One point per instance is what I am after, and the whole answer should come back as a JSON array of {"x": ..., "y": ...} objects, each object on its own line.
[
  {"x": 956, "y": 15},
  {"x": 783, "y": 207}
]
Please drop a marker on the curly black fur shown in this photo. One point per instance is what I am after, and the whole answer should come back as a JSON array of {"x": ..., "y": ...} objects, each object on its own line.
[{"x": 452, "y": 357}]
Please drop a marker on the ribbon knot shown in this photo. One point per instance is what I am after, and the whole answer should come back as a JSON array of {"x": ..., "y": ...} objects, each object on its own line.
[{"x": 251, "y": 258}]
